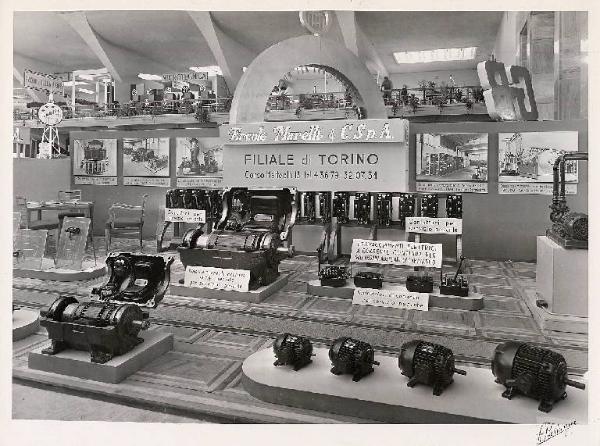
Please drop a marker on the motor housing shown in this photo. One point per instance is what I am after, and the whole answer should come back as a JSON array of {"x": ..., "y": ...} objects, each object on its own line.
[
  {"x": 292, "y": 350},
  {"x": 351, "y": 356}
]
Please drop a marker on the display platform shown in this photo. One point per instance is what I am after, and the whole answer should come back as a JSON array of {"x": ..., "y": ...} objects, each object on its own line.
[
  {"x": 25, "y": 323},
  {"x": 474, "y": 301},
  {"x": 77, "y": 363},
  {"x": 562, "y": 278},
  {"x": 50, "y": 272},
  {"x": 254, "y": 296},
  {"x": 384, "y": 395}
]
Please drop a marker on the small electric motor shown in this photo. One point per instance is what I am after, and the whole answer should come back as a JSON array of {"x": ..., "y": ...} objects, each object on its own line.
[
  {"x": 419, "y": 283},
  {"x": 384, "y": 209},
  {"x": 406, "y": 208},
  {"x": 457, "y": 285},
  {"x": 333, "y": 276},
  {"x": 362, "y": 208},
  {"x": 429, "y": 364},
  {"x": 429, "y": 205},
  {"x": 341, "y": 207},
  {"x": 350, "y": 356},
  {"x": 454, "y": 206},
  {"x": 535, "y": 372},
  {"x": 292, "y": 350},
  {"x": 368, "y": 279}
]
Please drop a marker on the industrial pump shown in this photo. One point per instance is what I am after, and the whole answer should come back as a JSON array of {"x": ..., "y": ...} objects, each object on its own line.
[
  {"x": 533, "y": 371},
  {"x": 569, "y": 229},
  {"x": 292, "y": 350},
  {"x": 429, "y": 364},
  {"x": 109, "y": 327},
  {"x": 254, "y": 225},
  {"x": 351, "y": 356}
]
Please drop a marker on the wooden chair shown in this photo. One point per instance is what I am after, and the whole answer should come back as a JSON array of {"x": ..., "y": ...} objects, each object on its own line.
[
  {"x": 125, "y": 219},
  {"x": 21, "y": 206}
]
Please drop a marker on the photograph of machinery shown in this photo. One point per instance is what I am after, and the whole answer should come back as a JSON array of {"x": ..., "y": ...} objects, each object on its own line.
[
  {"x": 146, "y": 157},
  {"x": 95, "y": 157},
  {"x": 452, "y": 157},
  {"x": 528, "y": 157},
  {"x": 199, "y": 157}
]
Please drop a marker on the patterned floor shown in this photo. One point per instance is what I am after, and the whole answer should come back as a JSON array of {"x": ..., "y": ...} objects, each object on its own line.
[{"x": 202, "y": 374}]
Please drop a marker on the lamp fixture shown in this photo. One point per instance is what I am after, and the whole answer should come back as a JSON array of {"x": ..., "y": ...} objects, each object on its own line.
[{"x": 438, "y": 55}]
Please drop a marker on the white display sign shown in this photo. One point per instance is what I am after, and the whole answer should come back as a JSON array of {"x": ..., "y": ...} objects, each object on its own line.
[
  {"x": 532, "y": 188},
  {"x": 96, "y": 181},
  {"x": 45, "y": 150},
  {"x": 187, "y": 182},
  {"x": 217, "y": 278},
  {"x": 428, "y": 225},
  {"x": 178, "y": 215},
  {"x": 397, "y": 253},
  {"x": 395, "y": 298},
  {"x": 147, "y": 181},
  {"x": 460, "y": 187},
  {"x": 186, "y": 77},
  {"x": 42, "y": 82}
]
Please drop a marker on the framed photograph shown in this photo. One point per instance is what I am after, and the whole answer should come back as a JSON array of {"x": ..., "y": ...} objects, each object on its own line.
[
  {"x": 452, "y": 157},
  {"x": 95, "y": 157},
  {"x": 199, "y": 157},
  {"x": 529, "y": 157},
  {"x": 145, "y": 157}
]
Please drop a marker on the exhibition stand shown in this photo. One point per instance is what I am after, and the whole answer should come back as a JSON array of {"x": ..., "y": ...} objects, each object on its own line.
[
  {"x": 384, "y": 395},
  {"x": 25, "y": 323}
]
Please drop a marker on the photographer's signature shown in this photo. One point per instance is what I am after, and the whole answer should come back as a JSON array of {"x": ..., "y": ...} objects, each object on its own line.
[{"x": 551, "y": 430}]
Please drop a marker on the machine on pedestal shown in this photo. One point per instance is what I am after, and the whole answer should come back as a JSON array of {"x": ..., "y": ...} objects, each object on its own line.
[{"x": 254, "y": 226}]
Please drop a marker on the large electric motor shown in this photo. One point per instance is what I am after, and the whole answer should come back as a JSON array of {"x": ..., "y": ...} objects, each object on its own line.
[
  {"x": 429, "y": 364},
  {"x": 569, "y": 229},
  {"x": 535, "y": 372},
  {"x": 292, "y": 350},
  {"x": 250, "y": 235},
  {"x": 110, "y": 326},
  {"x": 350, "y": 356}
]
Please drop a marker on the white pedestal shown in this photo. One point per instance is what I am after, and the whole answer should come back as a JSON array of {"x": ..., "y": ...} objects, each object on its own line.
[
  {"x": 562, "y": 278},
  {"x": 25, "y": 323}
]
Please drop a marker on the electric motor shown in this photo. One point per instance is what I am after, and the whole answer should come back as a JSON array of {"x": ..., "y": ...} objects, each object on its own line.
[
  {"x": 429, "y": 205},
  {"x": 454, "y": 206},
  {"x": 419, "y": 283},
  {"x": 368, "y": 279},
  {"x": 429, "y": 364},
  {"x": 573, "y": 225},
  {"x": 406, "y": 208},
  {"x": 384, "y": 209},
  {"x": 535, "y": 372},
  {"x": 362, "y": 208},
  {"x": 333, "y": 276},
  {"x": 324, "y": 206},
  {"x": 292, "y": 350},
  {"x": 341, "y": 206},
  {"x": 307, "y": 206},
  {"x": 351, "y": 356}
]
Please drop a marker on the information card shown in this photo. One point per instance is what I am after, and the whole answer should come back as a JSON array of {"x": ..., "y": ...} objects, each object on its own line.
[
  {"x": 96, "y": 181},
  {"x": 397, "y": 253},
  {"x": 533, "y": 188},
  {"x": 178, "y": 215},
  {"x": 395, "y": 298},
  {"x": 427, "y": 225},
  {"x": 452, "y": 187},
  {"x": 147, "y": 181},
  {"x": 217, "y": 278}
]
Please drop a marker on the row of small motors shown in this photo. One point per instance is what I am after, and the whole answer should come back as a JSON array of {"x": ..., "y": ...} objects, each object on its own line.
[
  {"x": 210, "y": 200},
  {"x": 374, "y": 207},
  {"x": 522, "y": 368}
]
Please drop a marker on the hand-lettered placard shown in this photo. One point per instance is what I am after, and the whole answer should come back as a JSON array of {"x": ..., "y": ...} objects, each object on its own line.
[
  {"x": 532, "y": 188},
  {"x": 96, "y": 181},
  {"x": 147, "y": 181},
  {"x": 397, "y": 253},
  {"x": 177, "y": 215},
  {"x": 217, "y": 278},
  {"x": 427, "y": 225},
  {"x": 397, "y": 297},
  {"x": 452, "y": 187}
]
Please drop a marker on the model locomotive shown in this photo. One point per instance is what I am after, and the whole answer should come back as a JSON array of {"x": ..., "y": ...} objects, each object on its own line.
[
  {"x": 250, "y": 235},
  {"x": 533, "y": 371},
  {"x": 429, "y": 364},
  {"x": 292, "y": 350},
  {"x": 351, "y": 356},
  {"x": 109, "y": 327}
]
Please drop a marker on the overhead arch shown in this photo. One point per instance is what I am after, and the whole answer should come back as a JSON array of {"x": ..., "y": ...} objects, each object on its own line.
[{"x": 254, "y": 88}]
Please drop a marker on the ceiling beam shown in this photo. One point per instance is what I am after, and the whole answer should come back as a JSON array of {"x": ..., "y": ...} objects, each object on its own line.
[
  {"x": 231, "y": 56},
  {"x": 78, "y": 21},
  {"x": 357, "y": 41}
]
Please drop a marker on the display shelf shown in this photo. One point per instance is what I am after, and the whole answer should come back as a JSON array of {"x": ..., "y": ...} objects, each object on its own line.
[
  {"x": 474, "y": 301},
  {"x": 384, "y": 395},
  {"x": 25, "y": 323},
  {"x": 254, "y": 296},
  {"x": 90, "y": 270},
  {"x": 77, "y": 363}
]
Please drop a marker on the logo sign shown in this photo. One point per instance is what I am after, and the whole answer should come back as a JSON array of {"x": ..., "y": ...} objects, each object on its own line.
[
  {"x": 397, "y": 253},
  {"x": 177, "y": 215},
  {"x": 50, "y": 114},
  {"x": 185, "y": 77},
  {"x": 397, "y": 297},
  {"x": 427, "y": 225},
  {"x": 217, "y": 278},
  {"x": 42, "y": 82},
  {"x": 311, "y": 132},
  {"x": 508, "y": 91},
  {"x": 317, "y": 22}
]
